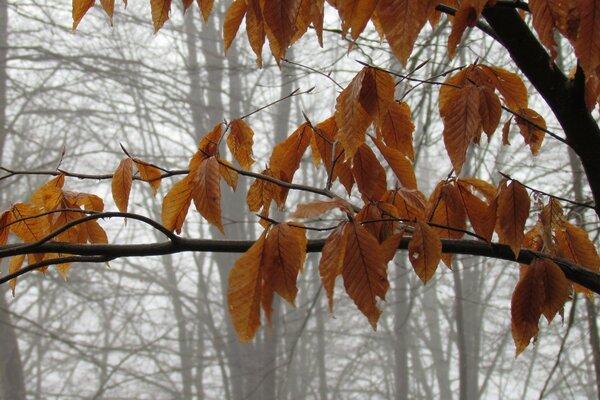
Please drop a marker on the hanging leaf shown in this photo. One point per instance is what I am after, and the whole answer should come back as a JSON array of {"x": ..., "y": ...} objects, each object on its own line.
[
  {"x": 376, "y": 94},
  {"x": 350, "y": 116},
  {"x": 424, "y": 251},
  {"x": 400, "y": 164},
  {"x": 548, "y": 17},
  {"x": 80, "y": 7},
  {"x": 368, "y": 173},
  {"x": 332, "y": 260},
  {"x": 109, "y": 8},
  {"x": 14, "y": 265},
  {"x": 467, "y": 15},
  {"x": 316, "y": 208},
  {"x": 207, "y": 191},
  {"x": 401, "y": 21},
  {"x": 587, "y": 44},
  {"x": 280, "y": 23},
  {"x": 462, "y": 123},
  {"x": 283, "y": 259},
  {"x": 532, "y": 127},
  {"x": 233, "y": 18},
  {"x": 228, "y": 173},
  {"x": 206, "y": 7},
  {"x": 244, "y": 291},
  {"x": 364, "y": 271},
  {"x": 160, "y": 12},
  {"x": 512, "y": 213},
  {"x": 176, "y": 204},
  {"x": 255, "y": 29},
  {"x": 240, "y": 143},
  {"x": 397, "y": 129},
  {"x": 355, "y": 14},
  {"x": 526, "y": 308},
  {"x": 574, "y": 244},
  {"x": 121, "y": 183},
  {"x": 149, "y": 173}
]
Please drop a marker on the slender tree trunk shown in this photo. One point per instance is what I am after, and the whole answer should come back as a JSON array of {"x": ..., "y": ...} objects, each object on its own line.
[
  {"x": 401, "y": 336},
  {"x": 12, "y": 384}
]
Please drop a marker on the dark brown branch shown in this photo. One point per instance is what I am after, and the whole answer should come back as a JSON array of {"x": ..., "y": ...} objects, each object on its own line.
[{"x": 575, "y": 273}]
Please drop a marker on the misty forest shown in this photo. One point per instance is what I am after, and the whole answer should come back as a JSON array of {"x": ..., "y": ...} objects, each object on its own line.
[{"x": 299, "y": 199}]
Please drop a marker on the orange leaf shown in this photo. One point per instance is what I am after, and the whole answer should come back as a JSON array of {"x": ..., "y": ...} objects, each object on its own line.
[
  {"x": 176, "y": 204},
  {"x": 467, "y": 15},
  {"x": 332, "y": 260},
  {"x": 286, "y": 156},
  {"x": 410, "y": 204},
  {"x": 481, "y": 215},
  {"x": 364, "y": 271},
  {"x": 255, "y": 29},
  {"x": 424, "y": 251},
  {"x": 94, "y": 232},
  {"x": 401, "y": 21},
  {"x": 109, "y": 8},
  {"x": 206, "y": 7},
  {"x": 377, "y": 94},
  {"x": 462, "y": 123},
  {"x": 447, "y": 209},
  {"x": 160, "y": 12},
  {"x": 574, "y": 244},
  {"x": 5, "y": 218},
  {"x": 512, "y": 213},
  {"x": 149, "y": 173},
  {"x": 261, "y": 193},
  {"x": 209, "y": 144},
  {"x": 532, "y": 126},
  {"x": 350, "y": 116},
  {"x": 369, "y": 174},
  {"x": 244, "y": 291},
  {"x": 280, "y": 24},
  {"x": 28, "y": 227},
  {"x": 228, "y": 173},
  {"x": 121, "y": 183},
  {"x": 284, "y": 255},
  {"x": 233, "y": 18},
  {"x": 80, "y": 7},
  {"x": 240, "y": 143},
  {"x": 207, "y": 191},
  {"x": 397, "y": 129},
  {"x": 399, "y": 163},
  {"x": 49, "y": 195},
  {"x": 355, "y": 14},
  {"x": 548, "y": 16},
  {"x": 14, "y": 265},
  {"x": 509, "y": 84},
  {"x": 526, "y": 308},
  {"x": 324, "y": 137},
  {"x": 316, "y": 208},
  {"x": 587, "y": 44},
  {"x": 490, "y": 110},
  {"x": 556, "y": 287}
]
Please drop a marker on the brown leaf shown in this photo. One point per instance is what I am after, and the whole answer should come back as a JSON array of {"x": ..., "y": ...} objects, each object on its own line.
[
  {"x": 283, "y": 259},
  {"x": 80, "y": 7},
  {"x": 261, "y": 193},
  {"x": 255, "y": 29},
  {"x": 526, "y": 308},
  {"x": 424, "y": 251},
  {"x": 399, "y": 163},
  {"x": 548, "y": 16},
  {"x": 556, "y": 287},
  {"x": 28, "y": 227},
  {"x": 233, "y": 18},
  {"x": 176, "y": 204},
  {"x": 447, "y": 209},
  {"x": 481, "y": 215},
  {"x": 5, "y": 219},
  {"x": 462, "y": 123},
  {"x": 397, "y": 129},
  {"x": 574, "y": 244},
  {"x": 410, "y": 204},
  {"x": 490, "y": 110},
  {"x": 240, "y": 143},
  {"x": 350, "y": 116},
  {"x": 512, "y": 213},
  {"x": 160, "y": 12},
  {"x": 368, "y": 173},
  {"x": 94, "y": 232},
  {"x": 14, "y": 265},
  {"x": 206, "y": 7},
  {"x": 287, "y": 155},
  {"x": 207, "y": 191},
  {"x": 332, "y": 260},
  {"x": 364, "y": 271},
  {"x": 228, "y": 173},
  {"x": 532, "y": 126},
  {"x": 244, "y": 291},
  {"x": 149, "y": 173},
  {"x": 109, "y": 8},
  {"x": 355, "y": 14},
  {"x": 401, "y": 21},
  {"x": 316, "y": 208},
  {"x": 280, "y": 24},
  {"x": 324, "y": 137},
  {"x": 377, "y": 94},
  {"x": 509, "y": 84},
  {"x": 467, "y": 15},
  {"x": 121, "y": 183},
  {"x": 587, "y": 44},
  {"x": 209, "y": 145}
]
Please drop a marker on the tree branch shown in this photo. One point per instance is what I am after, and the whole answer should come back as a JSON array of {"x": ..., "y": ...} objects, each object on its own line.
[{"x": 102, "y": 252}]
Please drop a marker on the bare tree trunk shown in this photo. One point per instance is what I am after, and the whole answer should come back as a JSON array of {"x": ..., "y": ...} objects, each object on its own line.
[
  {"x": 12, "y": 385},
  {"x": 401, "y": 336},
  {"x": 321, "y": 349}
]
